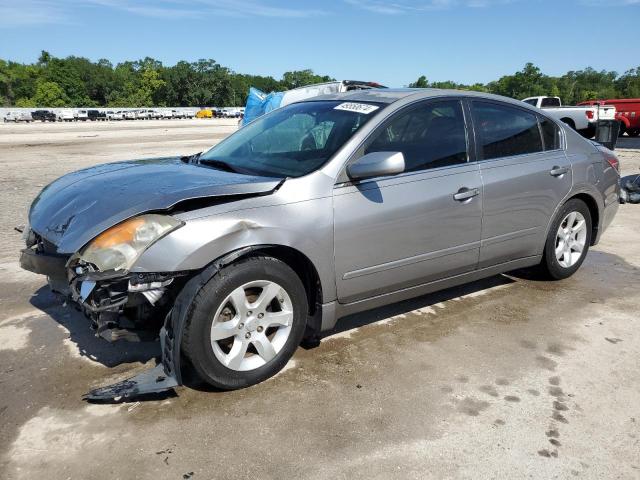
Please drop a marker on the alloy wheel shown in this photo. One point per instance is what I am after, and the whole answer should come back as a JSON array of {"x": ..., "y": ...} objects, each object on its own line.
[
  {"x": 252, "y": 325},
  {"x": 571, "y": 239}
]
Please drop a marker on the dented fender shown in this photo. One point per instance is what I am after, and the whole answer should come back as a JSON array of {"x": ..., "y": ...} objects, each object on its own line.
[{"x": 202, "y": 240}]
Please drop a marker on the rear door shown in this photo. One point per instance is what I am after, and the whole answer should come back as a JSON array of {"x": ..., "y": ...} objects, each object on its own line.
[
  {"x": 525, "y": 173},
  {"x": 416, "y": 227}
]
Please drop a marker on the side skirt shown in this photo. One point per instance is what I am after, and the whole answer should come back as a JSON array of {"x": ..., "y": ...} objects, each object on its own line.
[{"x": 333, "y": 311}]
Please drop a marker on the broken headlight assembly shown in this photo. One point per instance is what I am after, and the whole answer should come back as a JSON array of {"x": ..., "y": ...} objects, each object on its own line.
[{"x": 120, "y": 246}]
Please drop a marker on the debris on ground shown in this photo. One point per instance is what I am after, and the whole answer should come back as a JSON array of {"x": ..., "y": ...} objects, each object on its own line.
[{"x": 630, "y": 189}]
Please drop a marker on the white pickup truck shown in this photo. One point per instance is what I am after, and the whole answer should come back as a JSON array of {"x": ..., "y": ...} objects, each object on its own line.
[{"x": 582, "y": 119}]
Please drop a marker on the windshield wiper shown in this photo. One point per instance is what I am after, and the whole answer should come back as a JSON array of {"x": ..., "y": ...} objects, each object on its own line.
[{"x": 219, "y": 164}]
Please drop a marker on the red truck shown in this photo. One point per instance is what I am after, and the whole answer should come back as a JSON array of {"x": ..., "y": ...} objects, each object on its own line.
[{"x": 627, "y": 113}]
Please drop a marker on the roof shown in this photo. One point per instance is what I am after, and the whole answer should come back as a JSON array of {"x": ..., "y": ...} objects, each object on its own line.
[{"x": 391, "y": 95}]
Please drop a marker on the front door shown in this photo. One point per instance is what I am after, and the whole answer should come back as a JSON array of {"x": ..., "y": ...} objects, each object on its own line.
[{"x": 416, "y": 227}]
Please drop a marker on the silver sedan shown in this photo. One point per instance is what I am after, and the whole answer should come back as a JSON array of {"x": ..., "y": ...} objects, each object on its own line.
[{"x": 317, "y": 210}]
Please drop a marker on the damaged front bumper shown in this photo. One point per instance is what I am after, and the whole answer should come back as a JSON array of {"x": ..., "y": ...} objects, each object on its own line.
[{"x": 102, "y": 296}]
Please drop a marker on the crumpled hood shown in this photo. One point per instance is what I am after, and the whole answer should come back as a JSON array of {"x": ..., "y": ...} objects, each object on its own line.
[{"x": 78, "y": 206}]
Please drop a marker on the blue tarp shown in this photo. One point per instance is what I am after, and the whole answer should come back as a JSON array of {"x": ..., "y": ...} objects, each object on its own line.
[{"x": 259, "y": 103}]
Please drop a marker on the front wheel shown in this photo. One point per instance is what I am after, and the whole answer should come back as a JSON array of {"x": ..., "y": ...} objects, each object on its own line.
[
  {"x": 568, "y": 240},
  {"x": 245, "y": 323}
]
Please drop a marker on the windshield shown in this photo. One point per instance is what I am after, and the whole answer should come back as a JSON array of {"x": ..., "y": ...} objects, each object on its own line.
[{"x": 291, "y": 141}]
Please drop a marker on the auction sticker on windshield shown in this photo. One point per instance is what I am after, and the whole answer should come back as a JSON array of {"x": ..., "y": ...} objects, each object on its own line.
[{"x": 357, "y": 107}]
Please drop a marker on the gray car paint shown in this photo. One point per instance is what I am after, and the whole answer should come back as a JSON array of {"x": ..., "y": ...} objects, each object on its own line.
[{"x": 390, "y": 235}]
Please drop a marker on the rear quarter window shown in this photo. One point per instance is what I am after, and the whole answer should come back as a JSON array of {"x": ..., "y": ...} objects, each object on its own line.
[{"x": 550, "y": 134}]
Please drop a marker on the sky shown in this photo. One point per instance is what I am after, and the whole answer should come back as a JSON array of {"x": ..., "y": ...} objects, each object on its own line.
[{"x": 392, "y": 42}]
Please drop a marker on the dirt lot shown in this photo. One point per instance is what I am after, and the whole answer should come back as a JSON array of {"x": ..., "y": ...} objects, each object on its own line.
[{"x": 503, "y": 378}]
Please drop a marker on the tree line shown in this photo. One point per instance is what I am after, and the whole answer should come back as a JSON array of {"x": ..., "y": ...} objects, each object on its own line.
[
  {"x": 77, "y": 81},
  {"x": 572, "y": 87}
]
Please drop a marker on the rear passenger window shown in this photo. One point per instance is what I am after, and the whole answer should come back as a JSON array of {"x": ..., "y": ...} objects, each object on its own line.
[
  {"x": 429, "y": 136},
  {"x": 505, "y": 131},
  {"x": 550, "y": 134}
]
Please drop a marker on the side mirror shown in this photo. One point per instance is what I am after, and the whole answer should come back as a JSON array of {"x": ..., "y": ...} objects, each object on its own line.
[{"x": 376, "y": 164}]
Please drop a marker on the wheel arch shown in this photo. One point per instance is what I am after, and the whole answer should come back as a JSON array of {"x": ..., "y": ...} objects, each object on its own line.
[
  {"x": 299, "y": 263},
  {"x": 594, "y": 210}
]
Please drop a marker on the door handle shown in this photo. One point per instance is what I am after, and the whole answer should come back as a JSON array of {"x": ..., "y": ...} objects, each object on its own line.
[
  {"x": 558, "y": 171},
  {"x": 465, "y": 194}
]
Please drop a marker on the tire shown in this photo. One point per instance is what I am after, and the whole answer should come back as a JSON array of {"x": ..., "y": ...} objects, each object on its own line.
[
  {"x": 623, "y": 128},
  {"x": 214, "y": 361},
  {"x": 633, "y": 132},
  {"x": 569, "y": 122},
  {"x": 553, "y": 267}
]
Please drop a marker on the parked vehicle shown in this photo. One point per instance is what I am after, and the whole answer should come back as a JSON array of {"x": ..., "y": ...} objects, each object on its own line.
[
  {"x": 205, "y": 113},
  {"x": 166, "y": 113},
  {"x": 81, "y": 115},
  {"x": 43, "y": 115},
  {"x": 315, "y": 211},
  {"x": 580, "y": 118},
  {"x": 115, "y": 115},
  {"x": 259, "y": 103},
  {"x": 627, "y": 113},
  {"x": 145, "y": 114},
  {"x": 96, "y": 115},
  {"x": 18, "y": 116},
  {"x": 130, "y": 115},
  {"x": 65, "y": 115},
  {"x": 155, "y": 114}
]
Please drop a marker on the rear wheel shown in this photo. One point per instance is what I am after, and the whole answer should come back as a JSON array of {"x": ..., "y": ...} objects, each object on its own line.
[
  {"x": 568, "y": 240},
  {"x": 245, "y": 323}
]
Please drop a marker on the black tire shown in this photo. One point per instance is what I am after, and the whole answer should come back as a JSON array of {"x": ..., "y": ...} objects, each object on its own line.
[
  {"x": 623, "y": 129},
  {"x": 550, "y": 266},
  {"x": 633, "y": 132},
  {"x": 196, "y": 343},
  {"x": 569, "y": 122}
]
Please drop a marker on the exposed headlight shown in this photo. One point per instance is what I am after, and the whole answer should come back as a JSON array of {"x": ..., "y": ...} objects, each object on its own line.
[{"x": 120, "y": 246}]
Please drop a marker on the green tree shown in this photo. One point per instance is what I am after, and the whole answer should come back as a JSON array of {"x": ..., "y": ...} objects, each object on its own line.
[
  {"x": 421, "y": 82},
  {"x": 49, "y": 94},
  {"x": 629, "y": 84},
  {"x": 300, "y": 78}
]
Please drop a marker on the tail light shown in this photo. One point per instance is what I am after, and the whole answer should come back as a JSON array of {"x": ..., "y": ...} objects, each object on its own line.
[
  {"x": 611, "y": 159},
  {"x": 589, "y": 114}
]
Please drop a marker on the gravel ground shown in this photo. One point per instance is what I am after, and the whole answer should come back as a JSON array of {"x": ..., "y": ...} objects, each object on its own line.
[{"x": 503, "y": 378}]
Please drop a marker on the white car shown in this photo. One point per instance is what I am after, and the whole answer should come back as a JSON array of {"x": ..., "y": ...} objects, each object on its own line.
[
  {"x": 145, "y": 114},
  {"x": 64, "y": 115},
  {"x": 583, "y": 119},
  {"x": 81, "y": 115},
  {"x": 19, "y": 116},
  {"x": 130, "y": 115},
  {"x": 166, "y": 113},
  {"x": 155, "y": 114},
  {"x": 115, "y": 115}
]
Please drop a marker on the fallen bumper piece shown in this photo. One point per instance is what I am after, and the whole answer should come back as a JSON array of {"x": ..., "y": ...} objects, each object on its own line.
[{"x": 149, "y": 381}]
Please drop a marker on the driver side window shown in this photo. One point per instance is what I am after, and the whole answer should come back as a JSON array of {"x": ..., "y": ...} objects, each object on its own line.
[{"x": 430, "y": 135}]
